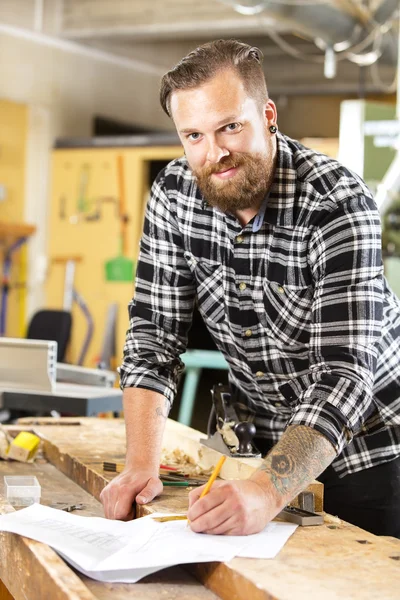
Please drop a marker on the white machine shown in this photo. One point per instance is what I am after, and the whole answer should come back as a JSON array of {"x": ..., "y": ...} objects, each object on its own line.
[{"x": 31, "y": 380}]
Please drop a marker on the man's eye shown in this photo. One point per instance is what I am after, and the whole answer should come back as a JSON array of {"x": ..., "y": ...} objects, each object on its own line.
[
  {"x": 193, "y": 136},
  {"x": 232, "y": 126}
]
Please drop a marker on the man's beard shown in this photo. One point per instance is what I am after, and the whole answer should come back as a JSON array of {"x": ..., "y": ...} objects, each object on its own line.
[{"x": 246, "y": 189}]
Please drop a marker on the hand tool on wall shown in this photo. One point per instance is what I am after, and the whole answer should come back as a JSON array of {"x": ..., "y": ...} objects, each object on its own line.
[
  {"x": 72, "y": 295},
  {"x": 121, "y": 268},
  {"x": 82, "y": 202}
]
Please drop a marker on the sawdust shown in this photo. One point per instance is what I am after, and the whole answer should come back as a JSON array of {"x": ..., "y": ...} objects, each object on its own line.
[
  {"x": 331, "y": 519},
  {"x": 5, "y": 441},
  {"x": 178, "y": 458}
]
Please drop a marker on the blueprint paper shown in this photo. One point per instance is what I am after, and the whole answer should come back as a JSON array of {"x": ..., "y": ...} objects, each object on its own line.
[{"x": 118, "y": 551}]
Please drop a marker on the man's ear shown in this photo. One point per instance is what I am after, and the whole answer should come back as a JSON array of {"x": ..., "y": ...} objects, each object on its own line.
[{"x": 270, "y": 113}]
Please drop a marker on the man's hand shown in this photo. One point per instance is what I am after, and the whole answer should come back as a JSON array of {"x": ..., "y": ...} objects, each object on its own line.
[
  {"x": 130, "y": 485},
  {"x": 145, "y": 415},
  {"x": 246, "y": 506},
  {"x": 232, "y": 508}
]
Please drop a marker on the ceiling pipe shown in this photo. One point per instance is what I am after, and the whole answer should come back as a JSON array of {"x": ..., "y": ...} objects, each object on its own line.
[
  {"x": 389, "y": 188},
  {"x": 327, "y": 23}
]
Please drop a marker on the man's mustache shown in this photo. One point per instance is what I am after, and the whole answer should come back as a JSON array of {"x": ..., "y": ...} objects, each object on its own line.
[{"x": 228, "y": 162}]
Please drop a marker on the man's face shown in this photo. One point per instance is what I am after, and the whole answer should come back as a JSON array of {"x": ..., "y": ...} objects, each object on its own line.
[{"x": 226, "y": 140}]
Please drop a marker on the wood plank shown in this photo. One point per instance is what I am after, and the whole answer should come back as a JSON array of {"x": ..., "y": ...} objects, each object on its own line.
[
  {"x": 174, "y": 584},
  {"x": 53, "y": 575},
  {"x": 32, "y": 570},
  {"x": 77, "y": 452},
  {"x": 332, "y": 560},
  {"x": 4, "y": 593},
  {"x": 327, "y": 561}
]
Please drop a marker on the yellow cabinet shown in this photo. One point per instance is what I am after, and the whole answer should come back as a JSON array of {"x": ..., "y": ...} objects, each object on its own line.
[{"x": 97, "y": 206}]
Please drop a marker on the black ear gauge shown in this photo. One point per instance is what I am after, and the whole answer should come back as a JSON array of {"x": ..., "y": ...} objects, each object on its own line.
[{"x": 273, "y": 128}]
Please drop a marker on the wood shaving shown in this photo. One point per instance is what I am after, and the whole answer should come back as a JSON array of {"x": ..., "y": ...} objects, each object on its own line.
[
  {"x": 331, "y": 519},
  {"x": 5, "y": 441},
  {"x": 178, "y": 458}
]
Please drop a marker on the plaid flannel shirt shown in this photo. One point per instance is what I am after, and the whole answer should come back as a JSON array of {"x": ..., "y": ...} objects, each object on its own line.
[{"x": 296, "y": 301}]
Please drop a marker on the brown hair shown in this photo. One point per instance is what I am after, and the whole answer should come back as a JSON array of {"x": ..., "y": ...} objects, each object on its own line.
[{"x": 207, "y": 60}]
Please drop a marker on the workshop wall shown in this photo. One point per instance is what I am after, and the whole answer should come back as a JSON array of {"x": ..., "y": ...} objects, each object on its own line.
[
  {"x": 98, "y": 197},
  {"x": 63, "y": 89},
  {"x": 64, "y": 86},
  {"x": 13, "y": 136}
]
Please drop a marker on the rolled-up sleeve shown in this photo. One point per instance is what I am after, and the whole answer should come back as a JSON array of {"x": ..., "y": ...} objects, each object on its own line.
[
  {"x": 346, "y": 265},
  {"x": 161, "y": 312}
]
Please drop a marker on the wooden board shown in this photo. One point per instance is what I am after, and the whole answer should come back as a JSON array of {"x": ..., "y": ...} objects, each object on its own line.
[
  {"x": 76, "y": 451},
  {"x": 33, "y": 571},
  {"x": 4, "y": 593},
  {"x": 30, "y": 569},
  {"x": 330, "y": 561}
]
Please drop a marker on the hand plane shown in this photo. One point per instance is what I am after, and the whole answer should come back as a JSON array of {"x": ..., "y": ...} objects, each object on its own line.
[{"x": 225, "y": 432}]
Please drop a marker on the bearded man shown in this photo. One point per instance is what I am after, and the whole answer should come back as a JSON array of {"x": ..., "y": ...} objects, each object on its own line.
[{"x": 280, "y": 247}]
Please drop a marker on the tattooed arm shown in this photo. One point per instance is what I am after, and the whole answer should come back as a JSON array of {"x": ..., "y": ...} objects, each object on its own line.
[
  {"x": 246, "y": 506},
  {"x": 294, "y": 462},
  {"x": 145, "y": 414}
]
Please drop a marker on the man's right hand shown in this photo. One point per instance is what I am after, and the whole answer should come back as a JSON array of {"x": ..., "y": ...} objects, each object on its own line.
[{"x": 130, "y": 485}]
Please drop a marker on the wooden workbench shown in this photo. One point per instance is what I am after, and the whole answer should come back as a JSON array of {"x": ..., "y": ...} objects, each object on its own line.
[{"x": 328, "y": 561}]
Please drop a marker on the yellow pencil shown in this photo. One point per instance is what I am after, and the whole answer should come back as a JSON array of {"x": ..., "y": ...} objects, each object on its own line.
[
  {"x": 209, "y": 483},
  {"x": 213, "y": 476},
  {"x": 170, "y": 518}
]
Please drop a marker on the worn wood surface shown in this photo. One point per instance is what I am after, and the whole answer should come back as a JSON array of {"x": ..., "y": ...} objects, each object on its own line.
[
  {"x": 170, "y": 584},
  {"x": 33, "y": 571},
  {"x": 76, "y": 451},
  {"x": 4, "y": 593},
  {"x": 330, "y": 561}
]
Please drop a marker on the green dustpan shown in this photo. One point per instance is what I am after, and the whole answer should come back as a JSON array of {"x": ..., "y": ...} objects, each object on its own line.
[{"x": 120, "y": 268}]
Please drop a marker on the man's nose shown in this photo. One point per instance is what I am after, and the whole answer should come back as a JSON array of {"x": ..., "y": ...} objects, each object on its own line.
[{"x": 216, "y": 152}]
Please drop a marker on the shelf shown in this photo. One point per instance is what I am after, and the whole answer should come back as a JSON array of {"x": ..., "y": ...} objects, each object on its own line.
[{"x": 11, "y": 232}]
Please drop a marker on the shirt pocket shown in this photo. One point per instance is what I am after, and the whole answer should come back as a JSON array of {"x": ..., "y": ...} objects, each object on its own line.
[
  {"x": 209, "y": 289},
  {"x": 286, "y": 312}
]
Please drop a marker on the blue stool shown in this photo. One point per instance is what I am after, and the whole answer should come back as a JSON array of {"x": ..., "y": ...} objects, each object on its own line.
[{"x": 195, "y": 361}]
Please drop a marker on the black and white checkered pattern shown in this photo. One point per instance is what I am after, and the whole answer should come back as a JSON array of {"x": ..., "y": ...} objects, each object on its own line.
[{"x": 300, "y": 307}]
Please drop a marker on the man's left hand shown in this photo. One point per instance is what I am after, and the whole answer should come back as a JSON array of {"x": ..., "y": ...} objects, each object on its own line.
[{"x": 239, "y": 507}]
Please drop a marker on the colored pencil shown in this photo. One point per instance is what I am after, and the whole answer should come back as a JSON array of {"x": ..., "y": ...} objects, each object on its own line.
[{"x": 116, "y": 467}]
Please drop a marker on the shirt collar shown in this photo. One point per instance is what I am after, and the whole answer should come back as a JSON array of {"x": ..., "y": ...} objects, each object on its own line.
[
  {"x": 259, "y": 218},
  {"x": 279, "y": 204}
]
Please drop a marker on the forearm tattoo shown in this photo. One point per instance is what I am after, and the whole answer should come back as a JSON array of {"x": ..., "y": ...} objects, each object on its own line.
[
  {"x": 297, "y": 459},
  {"x": 163, "y": 412}
]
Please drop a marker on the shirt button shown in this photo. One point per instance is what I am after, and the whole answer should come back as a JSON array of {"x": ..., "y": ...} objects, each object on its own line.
[
  {"x": 281, "y": 290},
  {"x": 239, "y": 239},
  {"x": 259, "y": 374},
  {"x": 242, "y": 286},
  {"x": 248, "y": 333},
  {"x": 348, "y": 435}
]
